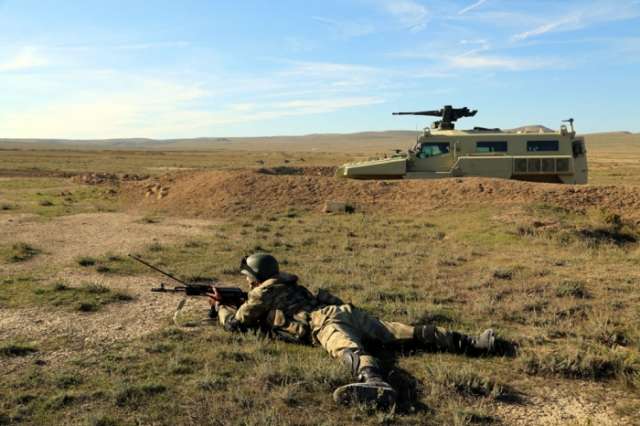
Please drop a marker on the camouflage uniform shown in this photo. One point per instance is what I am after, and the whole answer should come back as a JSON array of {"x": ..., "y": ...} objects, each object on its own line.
[
  {"x": 290, "y": 312},
  {"x": 277, "y": 304}
]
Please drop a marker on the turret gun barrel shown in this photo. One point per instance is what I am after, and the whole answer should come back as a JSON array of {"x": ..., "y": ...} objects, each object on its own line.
[
  {"x": 448, "y": 115},
  {"x": 435, "y": 113}
]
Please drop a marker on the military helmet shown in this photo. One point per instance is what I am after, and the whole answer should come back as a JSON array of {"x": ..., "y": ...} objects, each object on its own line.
[{"x": 259, "y": 266}]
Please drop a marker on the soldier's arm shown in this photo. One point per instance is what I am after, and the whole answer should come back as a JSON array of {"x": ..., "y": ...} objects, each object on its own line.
[{"x": 248, "y": 315}]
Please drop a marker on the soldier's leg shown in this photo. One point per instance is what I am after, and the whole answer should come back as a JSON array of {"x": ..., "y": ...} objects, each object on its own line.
[
  {"x": 385, "y": 332},
  {"x": 435, "y": 338},
  {"x": 343, "y": 342},
  {"x": 429, "y": 337},
  {"x": 340, "y": 340}
]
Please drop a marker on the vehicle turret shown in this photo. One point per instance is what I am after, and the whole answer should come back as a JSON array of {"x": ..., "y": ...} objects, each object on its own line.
[{"x": 448, "y": 115}]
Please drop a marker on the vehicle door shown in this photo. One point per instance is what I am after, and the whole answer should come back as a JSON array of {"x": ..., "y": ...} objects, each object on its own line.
[
  {"x": 579, "y": 152},
  {"x": 434, "y": 157}
]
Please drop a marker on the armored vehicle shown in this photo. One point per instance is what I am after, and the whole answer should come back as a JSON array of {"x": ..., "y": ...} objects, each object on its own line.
[{"x": 533, "y": 154}]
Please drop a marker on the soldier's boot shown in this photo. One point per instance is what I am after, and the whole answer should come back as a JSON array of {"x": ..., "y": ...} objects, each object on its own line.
[
  {"x": 370, "y": 389},
  {"x": 430, "y": 337},
  {"x": 485, "y": 343}
]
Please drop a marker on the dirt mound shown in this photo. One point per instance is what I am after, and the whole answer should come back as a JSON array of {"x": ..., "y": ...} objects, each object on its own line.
[
  {"x": 107, "y": 178},
  {"x": 227, "y": 193},
  {"x": 34, "y": 172},
  {"x": 309, "y": 171}
]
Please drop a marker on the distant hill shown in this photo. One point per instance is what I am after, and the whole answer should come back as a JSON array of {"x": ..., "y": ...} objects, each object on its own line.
[
  {"x": 533, "y": 128},
  {"x": 365, "y": 142}
]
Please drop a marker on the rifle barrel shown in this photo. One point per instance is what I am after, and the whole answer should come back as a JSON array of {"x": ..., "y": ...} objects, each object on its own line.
[{"x": 166, "y": 274}]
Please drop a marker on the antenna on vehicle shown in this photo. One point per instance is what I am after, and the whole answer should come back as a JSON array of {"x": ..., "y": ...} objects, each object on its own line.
[{"x": 570, "y": 121}]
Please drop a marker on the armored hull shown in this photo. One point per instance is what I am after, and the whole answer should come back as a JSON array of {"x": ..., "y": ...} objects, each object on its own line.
[{"x": 542, "y": 155}]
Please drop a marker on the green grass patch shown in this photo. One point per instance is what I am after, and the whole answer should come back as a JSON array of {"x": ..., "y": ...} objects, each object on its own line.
[
  {"x": 17, "y": 349},
  {"x": 103, "y": 420},
  {"x": 149, "y": 219},
  {"x": 86, "y": 261},
  {"x": 466, "y": 382},
  {"x": 594, "y": 229},
  {"x": 574, "y": 289},
  {"x": 62, "y": 198},
  {"x": 18, "y": 252},
  {"x": 154, "y": 247},
  {"x": 66, "y": 381},
  {"x": 88, "y": 297},
  {"x": 62, "y": 401},
  {"x": 117, "y": 264},
  {"x": 582, "y": 362},
  {"x": 138, "y": 394},
  {"x": 469, "y": 416}
]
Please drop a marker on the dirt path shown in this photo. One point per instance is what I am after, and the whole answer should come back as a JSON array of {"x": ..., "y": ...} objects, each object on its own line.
[
  {"x": 86, "y": 333},
  {"x": 64, "y": 239},
  {"x": 92, "y": 234},
  {"x": 567, "y": 402}
]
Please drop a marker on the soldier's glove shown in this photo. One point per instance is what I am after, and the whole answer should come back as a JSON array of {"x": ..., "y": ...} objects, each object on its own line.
[{"x": 215, "y": 299}]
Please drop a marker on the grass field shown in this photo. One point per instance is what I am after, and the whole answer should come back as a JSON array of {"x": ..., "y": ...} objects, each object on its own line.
[{"x": 84, "y": 341}]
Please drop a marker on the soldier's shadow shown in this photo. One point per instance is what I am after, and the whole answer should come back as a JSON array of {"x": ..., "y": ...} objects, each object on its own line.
[{"x": 409, "y": 388}]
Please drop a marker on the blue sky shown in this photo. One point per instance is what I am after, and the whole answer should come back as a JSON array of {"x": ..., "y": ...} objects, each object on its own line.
[{"x": 166, "y": 69}]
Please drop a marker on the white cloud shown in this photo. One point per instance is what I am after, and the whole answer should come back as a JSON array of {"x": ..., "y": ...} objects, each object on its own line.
[
  {"x": 471, "y": 7},
  {"x": 469, "y": 54},
  {"x": 146, "y": 46},
  {"x": 346, "y": 29},
  {"x": 243, "y": 107},
  {"x": 595, "y": 12},
  {"x": 476, "y": 61},
  {"x": 27, "y": 58},
  {"x": 562, "y": 24},
  {"x": 328, "y": 69},
  {"x": 272, "y": 111},
  {"x": 102, "y": 108},
  {"x": 328, "y": 105},
  {"x": 408, "y": 14},
  {"x": 112, "y": 104},
  {"x": 297, "y": 44},
  {"x": 481, "y": 44},
  {"x": 411, "y": 14},
  {"x": 120, "y": 116}
]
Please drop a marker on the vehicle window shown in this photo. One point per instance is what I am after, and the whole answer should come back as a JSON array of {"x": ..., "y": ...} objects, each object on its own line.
[
  {"x": 433, "y": 149},
  {"x": 491, "y": 146},
  {"x": 534, "y": 146}
]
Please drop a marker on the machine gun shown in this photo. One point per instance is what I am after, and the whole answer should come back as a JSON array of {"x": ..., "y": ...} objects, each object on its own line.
[
  {"x": 232, "y": 296},
  {"x": 448, "y": 116}
]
